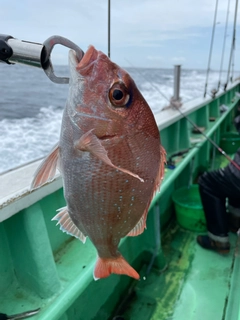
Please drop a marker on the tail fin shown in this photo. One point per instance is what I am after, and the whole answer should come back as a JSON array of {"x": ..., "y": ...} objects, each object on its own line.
[{"x": 104, "y": 267}]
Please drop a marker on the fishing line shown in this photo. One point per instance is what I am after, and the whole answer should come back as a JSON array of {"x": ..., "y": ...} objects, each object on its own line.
[
  {"x": 233, "y": 44},
  {"x": 211, "y": 47},
  {"x": 176, "y": 105},
  {"x": 233, "y": 57},
  {"x": 208, "y": 138},
  {"x": 224, "y": 44}
]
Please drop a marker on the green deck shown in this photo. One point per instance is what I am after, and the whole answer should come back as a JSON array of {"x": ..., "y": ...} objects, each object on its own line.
[
  {"x": 42, "y": 267},
  {"x": 196, "y": 284}
]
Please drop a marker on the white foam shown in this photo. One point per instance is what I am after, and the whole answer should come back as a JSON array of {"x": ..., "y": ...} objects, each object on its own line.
[
  {"x": 23, "y": 140},
  {"x": 192, "y": 86}
]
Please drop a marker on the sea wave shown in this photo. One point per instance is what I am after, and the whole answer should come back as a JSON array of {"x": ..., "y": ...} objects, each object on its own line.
[
  {"x": 31, "y": 131},
  {"x": 28, "y": 138}
]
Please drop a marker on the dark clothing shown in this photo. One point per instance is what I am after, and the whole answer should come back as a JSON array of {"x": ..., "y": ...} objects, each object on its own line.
[
  {"x": 235, "y": 171},
  {"x": 214, "y": 188}
]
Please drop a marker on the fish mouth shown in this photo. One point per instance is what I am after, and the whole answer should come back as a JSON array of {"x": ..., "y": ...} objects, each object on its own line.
[{"x": 89, "y": 57}]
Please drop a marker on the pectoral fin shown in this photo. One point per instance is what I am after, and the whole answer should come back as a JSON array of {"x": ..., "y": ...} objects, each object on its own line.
[
  {"x": 47, "y": 169},
  {"x": 90, "y": 142}
]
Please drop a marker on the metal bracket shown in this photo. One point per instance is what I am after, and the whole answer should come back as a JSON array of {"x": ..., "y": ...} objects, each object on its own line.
[{"x": 35, "y": 54}]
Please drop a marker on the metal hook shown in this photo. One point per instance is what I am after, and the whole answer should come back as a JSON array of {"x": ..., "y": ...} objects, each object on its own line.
[{"x": 47, "y": 64}]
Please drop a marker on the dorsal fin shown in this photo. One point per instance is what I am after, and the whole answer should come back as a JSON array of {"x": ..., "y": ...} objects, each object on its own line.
[
  {"x": 67, "y": 225},
  {"x": 47, "y": 169}
]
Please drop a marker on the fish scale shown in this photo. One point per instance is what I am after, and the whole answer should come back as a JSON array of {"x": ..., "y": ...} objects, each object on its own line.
[{"x": 110, "y": 156}]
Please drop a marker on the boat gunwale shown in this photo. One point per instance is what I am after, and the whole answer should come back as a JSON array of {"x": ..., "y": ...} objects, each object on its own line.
[{"x": 24, "y": 197}]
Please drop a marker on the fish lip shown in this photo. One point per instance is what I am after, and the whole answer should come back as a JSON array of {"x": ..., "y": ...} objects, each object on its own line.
[{"x": 89, "y": 58}]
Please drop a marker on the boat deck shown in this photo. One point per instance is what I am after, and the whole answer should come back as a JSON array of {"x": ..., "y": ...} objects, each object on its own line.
[
  {"x": 197, "y": 284},
  {"x": 41, "y": 267}
]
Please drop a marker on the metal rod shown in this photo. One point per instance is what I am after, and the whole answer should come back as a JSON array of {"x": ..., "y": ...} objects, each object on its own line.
[
  {"x": 26, "y": 52},
  {"x": 211, "y": 47},
  {"x": 190, "y": 181},
  {"x": 177, "y": 73},
  {"x": 214, "y": 151},
  {"x": 109, "y": 27},
  {"x": 35, "y": 54},
  {"x": 209, "y": 139},
  {"x": 175, "y": 106},
  {"x": 233, "y": 43},
  {"x": 224, "y": 43}
]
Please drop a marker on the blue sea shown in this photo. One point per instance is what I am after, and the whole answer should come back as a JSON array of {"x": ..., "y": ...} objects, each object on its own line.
[{"x": 31, "y": 105}]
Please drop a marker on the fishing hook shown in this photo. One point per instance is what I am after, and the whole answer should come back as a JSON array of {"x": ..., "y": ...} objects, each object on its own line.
[{"x": 47, "y": 64}]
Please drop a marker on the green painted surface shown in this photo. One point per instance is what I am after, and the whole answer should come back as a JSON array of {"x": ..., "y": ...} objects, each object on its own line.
[
  {"x": 206, "y": 287},
  {"x": 233, "y": 305},
  {"x": 6, "y": 265},
  {"x": 155, "y": 297},
  {"x": 49, "y": 206},
  {"x": 42, "y": 267},
  {"x": 194, "y": 286},
  {"x": 31, "y": 253}
]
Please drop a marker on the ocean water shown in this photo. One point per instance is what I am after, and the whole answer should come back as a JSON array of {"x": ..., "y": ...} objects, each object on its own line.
[{"x": 31, "y": 105}]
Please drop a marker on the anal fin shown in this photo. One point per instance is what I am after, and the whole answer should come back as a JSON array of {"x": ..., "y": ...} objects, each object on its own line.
[
  {"x": 67, "y": 225},
  {"x": 139, "y": 227},
  {"x": 47, "y": 169}
]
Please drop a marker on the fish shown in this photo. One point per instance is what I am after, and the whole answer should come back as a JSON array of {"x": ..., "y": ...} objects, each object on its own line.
[{"x": 110, "y": 157}]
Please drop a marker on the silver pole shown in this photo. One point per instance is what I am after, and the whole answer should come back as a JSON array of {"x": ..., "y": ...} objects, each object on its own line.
[
  {"x": 109, "y": 26},
  {"x": 35, "y": 54},
  {"x": 211, "y": 47},
  {"x": 177, "y": 73},
  {"x": 26, "y": 52}
]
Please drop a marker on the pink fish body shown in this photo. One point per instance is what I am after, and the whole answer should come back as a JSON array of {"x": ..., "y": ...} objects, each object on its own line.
[{"x": 110, "y": 158}]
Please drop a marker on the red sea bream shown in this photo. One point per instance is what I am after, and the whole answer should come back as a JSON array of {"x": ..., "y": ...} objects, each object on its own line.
[{"x": 110, "y": 158}]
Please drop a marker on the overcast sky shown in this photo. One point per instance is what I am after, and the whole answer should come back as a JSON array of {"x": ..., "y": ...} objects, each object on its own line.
[{"x": 146, "y": 33}]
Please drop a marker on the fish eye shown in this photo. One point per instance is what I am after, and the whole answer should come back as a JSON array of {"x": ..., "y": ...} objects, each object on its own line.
[{"x": 119, "y": 95}]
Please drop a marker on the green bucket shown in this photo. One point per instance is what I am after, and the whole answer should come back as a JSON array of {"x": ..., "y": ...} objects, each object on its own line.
[
  {"x": 230, "y": 142},
  {"x": 189, "y": 210}
]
